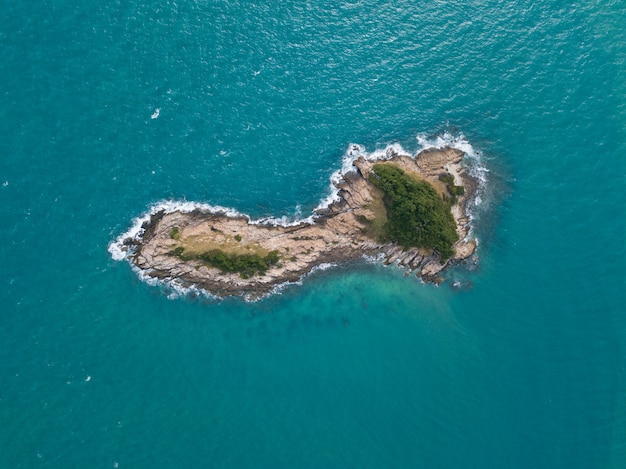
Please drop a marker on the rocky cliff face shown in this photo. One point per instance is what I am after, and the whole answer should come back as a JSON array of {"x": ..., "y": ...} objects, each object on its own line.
[{"x": 344, "y": 231}]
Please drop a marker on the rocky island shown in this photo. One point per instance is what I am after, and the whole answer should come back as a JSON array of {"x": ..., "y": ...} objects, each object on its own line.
[{"x": 409, "y": 210}]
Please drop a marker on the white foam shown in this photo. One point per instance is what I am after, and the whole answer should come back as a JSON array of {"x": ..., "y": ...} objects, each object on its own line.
[
  {"x": 353, "y": 153},
  {"x": 447, "y": 139},
  {"x": 473, "y": 156},
  {"x": 179, "y": 290},
  {"x": 473, "y": 163},
  {"x": 119, "y": 250},
  {"x": 156, "y": 113},
  {"x": 377, "y": 259},
  {"x": 279, "y": 288},
  {"x": 356, "y": 151},
  {"x": 285, "y": 220},
  {"x": 322, "y": 267},
  {"x": 174, "y": 288}
]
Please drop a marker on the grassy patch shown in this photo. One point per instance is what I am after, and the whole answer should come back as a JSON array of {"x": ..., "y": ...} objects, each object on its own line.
[
  {"x": 175, "y": 233},
  {"x": 178, "y": 251},
  {"x": 374, "y": 222},
  {"x": 363, "y": 219},
  {"x": 416, "y": 215},
  {"x": 453, "y": 190},
  {"x": 247, "y": 265}
]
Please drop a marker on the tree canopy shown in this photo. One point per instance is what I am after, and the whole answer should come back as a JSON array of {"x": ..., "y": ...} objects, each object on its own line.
[{"x": 416, "y": 215}]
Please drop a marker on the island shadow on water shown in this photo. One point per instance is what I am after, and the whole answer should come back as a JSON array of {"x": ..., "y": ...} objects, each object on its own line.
[{"x": 413, "y": 211}]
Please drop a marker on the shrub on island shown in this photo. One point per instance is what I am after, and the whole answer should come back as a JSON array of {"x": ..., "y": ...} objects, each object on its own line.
[
  {"x": 455, "y": 191},
  {"x": 416, "y": 215},
  {"x": 247, "y": 265}
]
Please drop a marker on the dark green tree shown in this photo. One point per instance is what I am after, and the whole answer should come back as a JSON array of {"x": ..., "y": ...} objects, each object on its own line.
[{"x": 416, "y": 215}]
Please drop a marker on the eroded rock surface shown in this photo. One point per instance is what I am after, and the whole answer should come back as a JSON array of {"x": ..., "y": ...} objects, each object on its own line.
[{"x": 345, "y": 231}]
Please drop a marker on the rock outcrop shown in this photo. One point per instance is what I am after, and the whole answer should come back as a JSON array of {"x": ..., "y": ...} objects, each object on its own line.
[{"x": 344, "y": 231}]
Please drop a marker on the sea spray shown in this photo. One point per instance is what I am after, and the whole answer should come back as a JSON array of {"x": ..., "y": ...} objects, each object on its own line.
[{"x": 123, "y": 245}]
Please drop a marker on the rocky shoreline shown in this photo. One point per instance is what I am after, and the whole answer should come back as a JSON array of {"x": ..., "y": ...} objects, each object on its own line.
[{"x": 342, "y": 232}]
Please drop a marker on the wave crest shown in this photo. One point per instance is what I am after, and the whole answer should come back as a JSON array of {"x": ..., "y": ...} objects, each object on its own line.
[{"x": 473, "y": 162}]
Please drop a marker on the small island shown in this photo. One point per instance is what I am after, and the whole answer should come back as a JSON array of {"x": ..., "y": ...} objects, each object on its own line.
[{"x": 412, "y": 211}]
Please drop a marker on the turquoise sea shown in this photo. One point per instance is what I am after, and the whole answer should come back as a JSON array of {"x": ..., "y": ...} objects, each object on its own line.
[{"x": 360, "y": 366}]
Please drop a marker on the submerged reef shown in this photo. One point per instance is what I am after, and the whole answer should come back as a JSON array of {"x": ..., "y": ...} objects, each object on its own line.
[{"x": 412, "y": 211}]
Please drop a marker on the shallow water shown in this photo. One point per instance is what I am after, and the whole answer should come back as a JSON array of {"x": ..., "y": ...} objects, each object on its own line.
[{"x": 359, "y": 366}]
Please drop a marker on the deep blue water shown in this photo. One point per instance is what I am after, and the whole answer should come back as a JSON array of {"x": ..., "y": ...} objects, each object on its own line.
[{"x": 360, "y": 366}]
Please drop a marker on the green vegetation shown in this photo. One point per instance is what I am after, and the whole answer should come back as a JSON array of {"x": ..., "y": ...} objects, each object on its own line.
[
  {"x": 373, "y": 224},
  {"x": 416, "y": 215},
  {"x": 175, "y": 233},
  {"x": 247, "y": 265},
  {"x": 363, "y": 219},
  {"x": 178, "y": 252},
  {"x": 238, "y": 238},
  {"x": 455, "y": 191},
  {"x": 447, "y": 178}
]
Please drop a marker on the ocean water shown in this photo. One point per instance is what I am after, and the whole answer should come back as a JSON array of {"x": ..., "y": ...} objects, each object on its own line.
[{"x": 110, "y": 107}]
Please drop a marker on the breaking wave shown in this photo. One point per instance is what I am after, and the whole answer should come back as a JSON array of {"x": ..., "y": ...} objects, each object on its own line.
[
  {"x": 118, "y": 249},
  {"x": 473, "y": 163}
]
